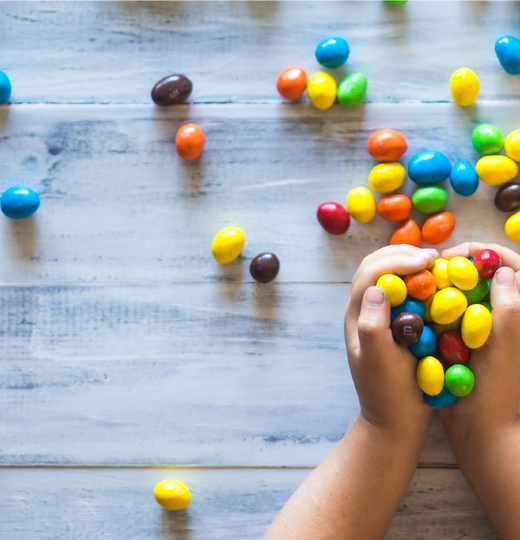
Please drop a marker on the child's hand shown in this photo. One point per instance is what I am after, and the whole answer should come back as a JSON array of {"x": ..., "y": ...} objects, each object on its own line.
[{"x": 383, "y": 371}]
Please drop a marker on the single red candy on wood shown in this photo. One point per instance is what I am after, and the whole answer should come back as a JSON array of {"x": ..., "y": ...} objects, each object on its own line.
[
  {"x": 452, "y": 348},
  {"x": 333, "y": 218},
  {"x": 487, "y": 263}
]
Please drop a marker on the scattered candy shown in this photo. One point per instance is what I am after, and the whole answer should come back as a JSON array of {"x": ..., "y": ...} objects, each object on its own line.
[
  {"x": 430, "y": 199},
  {"x": 448, "y": 305},
  {"x": 464, "y": 87},
  {"x": 333, "y": 218},
  {"x": 507, "y": 197},
  {"x": 512, "y": 227},
  {"x": 291, "y": 83},
  {"x": 19, "y": 202},
  {"x": 387, "y": 177},
  {"x": 512, "y": 145},
  {"x": 395, "y": 208},
  {"x": 265, "y": 267},
  {"x": 496, "y": 170},
  {"x": 427, "y": 344},
  {"x": 172, "y": 495},
  {"x": 462, "y": 273},
  {"x": 407, "y": 328},
  {"x": 189, "y": 142},
  {"x": 386, "y": 145},
  {"x": 407, "y": 233},
  {"x": 442, "y": 400},
  {"x": 321, "y": 90},
  {"x": 332, "y": 52},
  {"x": 487, "y": 262},
  {"x": 430, "y": 375},
  {"x": 487, "y": 139},
  {"x": 452, "y": 348},
  {"x": 410, "y": 305},
  {"x": 227, "y": 245},
  {"x": 478, "y": 293},
  {"x": 476, "y": 326},
  {"x": 420, "y": 285},
  {"x": 361, "y": 204},
  {"x": 429, "y": 167},
  {"x": 439, "y": 271},
  {"x": 5, "y": 87},
  {"x": 352, "y": 90},
  {"x": 507, "y": 49},
  {"x": 394, "y": 287},
  {"x": 171, "y": 90},
  {"x": 463, "y": 178},
  {"x": 459, "y": 380},
  {"x": 438, "y": 228}
]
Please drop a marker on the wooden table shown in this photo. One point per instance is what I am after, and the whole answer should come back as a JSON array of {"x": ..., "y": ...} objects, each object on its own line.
[{"x": 128, "y": 355}]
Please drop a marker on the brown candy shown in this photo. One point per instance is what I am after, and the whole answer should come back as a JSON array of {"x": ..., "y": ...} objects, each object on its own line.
[
  {"x": 407, "y": 328},
  {"x": 265, "y": 267},
  {"x": 507, "y": 198},
  {"x": 171, "y": 90}
]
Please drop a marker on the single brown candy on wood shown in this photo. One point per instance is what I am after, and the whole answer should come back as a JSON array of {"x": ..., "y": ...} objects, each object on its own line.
[
  {"x": 507, "y": 198},
  {"x": 265, "y": 267},
  {"x": 171, "y": 90},
  {"x": 407, "y": 328}
]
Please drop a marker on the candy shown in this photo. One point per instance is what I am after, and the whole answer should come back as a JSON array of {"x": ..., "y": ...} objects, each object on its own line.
[
  {"x": 462, "y": 273},
  {"x": 189, "y": 142},
  {"x": 407, "y": 328},
  {"x": 512, "y": 227},
  {"x": 430, "y": 375},
  {"x": 386, "y": 177},
  {"x": 464, "y": 87},
  {"x": 333, "y": 218},
  {"x": 463, "y": 178},
  {"x": 427, "y": 304},
  {"x": 321, "y": 90},
  {"x": 487, "y": 305},
  {"x": 487, "y": 262},
  {"x": 507, "y": 197},
  {"x": 476, "y": 326},
  {"x": 352, "y": 90},
  {"x": 172, "y": 495},
  {"x": 332, "y": 52},
  {"x": 459, "y": 380},
  {"x": 429, "y": 167},
  {"x": 439, "y": 271},
  {"x": 512, "y": 145},
  {"x": 395, "y": 208},
  {"x": 410, "y": 305},
  {"x": 171, "y": 90},
  {"x": 361, "y": 204},
  {"x": 430, "y": 199},
  {"x": 19, "y": 202},
  {"x": 448, "y": 305},
  {"x": 265, "y": 267},
  {"x": 420, "y": 285},
  {"x": 452, "y": 348},
  {"x": 427, "y": 344},
  {"x": 438, "y": 228},
  {"x": 407, "y": 233},
  {"x": 478, "y": 293},
  {"x": 5, "y": 87},
  {"x": 291, "y": 83},
  {"x": 395, "y": 2},
  {"x": 440, "y": 328},
  {"x": 227, "y": 245},
  {"x": 442, "y": 400},
  {"x": 394, "y": 287},
  {"x": 487, "y": 139},
  {"x": 507, "y": 49},
  {"x": 386, "y": 145},
  {"x": 496, "y": 170}
]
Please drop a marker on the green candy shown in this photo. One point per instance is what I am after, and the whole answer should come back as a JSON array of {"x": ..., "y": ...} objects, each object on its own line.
[
  {"x": 430, "y": 199},
  {"x": 395, "y": 2},
  {"x": 486, "y": 139},
  {"x": 478, "y": 293},
  {"x": 487, "y": 305},
  {"x": 352, "y": 90},
  {"x": 459, "y": 380}
]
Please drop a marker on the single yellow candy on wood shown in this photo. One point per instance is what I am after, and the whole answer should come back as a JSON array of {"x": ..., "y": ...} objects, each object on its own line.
[
  {"x": 476, "y": 326},
  {"x": 394, "y": 287},
  {"x": 464, "y": 87},
  {"x": 172, "y": 495},
  {"x": 512, "y": 145},
  {"x": 430, "y": 375},
  {"x": 227, "y": 245},
  {"x": 512, "y": 227}
]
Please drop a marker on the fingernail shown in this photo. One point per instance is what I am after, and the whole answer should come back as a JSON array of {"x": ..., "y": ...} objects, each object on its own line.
[
  {"x": 374, "y": 297},
  {"x": 505, "y": 276},
  {"x": 429, "y": 253}
]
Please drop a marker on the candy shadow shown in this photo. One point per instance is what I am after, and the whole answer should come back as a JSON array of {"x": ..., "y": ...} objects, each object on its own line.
[
  {"x": 5, "y": 111},
  {"x": 265, "y": 299},
  {"x": 176, "y": 525},
  {"x": 263, "y": 10},
  {"x": 24, "y": 234}
]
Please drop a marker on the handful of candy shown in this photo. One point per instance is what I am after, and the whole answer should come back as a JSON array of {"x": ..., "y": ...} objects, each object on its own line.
[{"x": 441, "y": 314}]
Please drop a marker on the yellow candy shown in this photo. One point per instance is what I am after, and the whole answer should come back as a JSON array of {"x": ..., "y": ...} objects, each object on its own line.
[
  {"x": 512, "y": 145},
  {"x": 512, "y": 227},
  {"x": 394, "y": 287},
  {"x": 463, "y": 273},
  {"x": 172, "y": 495},
  {"x": 496, "y": 170},
  {"x": 361, "y": 204},
  {"x": 464, "y": 87},
  {"x": 227, "y": 245},
  {"x": 321, "y": 90},
  {"x": 476, "y": 326},
  {"x": 439, "y": 328},
  {"x": 387, "y": 177},
  {"x": 440, "y": 273},
  {"x": 430, "y": 375},
  {"x": 448, "y": 305},
  {"x": 427, "y": 303}
]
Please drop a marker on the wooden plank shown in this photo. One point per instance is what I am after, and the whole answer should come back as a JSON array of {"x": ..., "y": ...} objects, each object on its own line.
[
  {"x": 233, "y": 51},
  {"x": 239, "y": 504}
]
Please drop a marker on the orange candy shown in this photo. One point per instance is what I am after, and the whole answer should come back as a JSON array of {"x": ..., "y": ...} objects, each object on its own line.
[
  {"x": 395, "y": 208},
  {"x": 421, "y": 285},
  {"x": 407, "y": 233},
  {"x": 291, "y": 83},
  {"x": 189, "y": 142},
  {"x": 386, "y": 145},
  {"x": 438, "y": 228}
]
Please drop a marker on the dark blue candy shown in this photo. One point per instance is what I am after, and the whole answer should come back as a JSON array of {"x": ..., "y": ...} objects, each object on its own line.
[
  {"x": 332, "y": 52},
  {"x": 5, "y": 87},
  {"x": 444, "y": 399},
  {"x": 507, "y": 49},
  {"x": 410, "y": 305},
  {"x": 463, "y": 178},
  {"x": 427, "y": 344},
  {"x": 19, "y": 202},
  {"x": 429, "y": 167}
]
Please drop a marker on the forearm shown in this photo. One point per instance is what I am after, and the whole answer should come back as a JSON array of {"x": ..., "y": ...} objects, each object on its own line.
[{"x": 355, "y": 492}]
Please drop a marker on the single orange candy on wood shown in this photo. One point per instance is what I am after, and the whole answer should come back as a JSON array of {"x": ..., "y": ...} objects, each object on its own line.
[
  {"x": 189, "y": 142},
  {"x": 420, "y": 285},
  {"x": 407, "y": 233},
  {"x": 438, "y": 228},
  {"x": 395, "y": 208},
  {"x": 386, "y": 145},
  {"x": 292, "y": 82}
]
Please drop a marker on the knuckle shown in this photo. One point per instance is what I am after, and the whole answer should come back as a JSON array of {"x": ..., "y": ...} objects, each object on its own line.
[{"x": 367, "y": 328}]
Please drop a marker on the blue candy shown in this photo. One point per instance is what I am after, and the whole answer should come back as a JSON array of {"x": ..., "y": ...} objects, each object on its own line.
[
  {"x": 19, "y": 202},
  {"x": 507, "y": 49},
  {"x": 410, "y": 305},
  {"x": 429, "y": 167},
  {"x": 444, "y": 399},
  {"x": 332, "y": 52},
  {"x": 463, "y": 178},
  {"x": 5, "y": 87},
  {"x": 427, "y": 344}
]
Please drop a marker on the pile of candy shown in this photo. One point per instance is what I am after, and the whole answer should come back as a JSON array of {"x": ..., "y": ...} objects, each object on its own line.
[{"x": 441, "y": 315}]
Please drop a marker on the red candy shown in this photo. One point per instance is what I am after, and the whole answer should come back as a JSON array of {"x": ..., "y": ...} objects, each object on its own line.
[
  {"x": 453, "y": 350},
  {"x": 386, "y": 145},
  {"x": 487, "y": 263},
  {"x": 438, "y": 228},
  {"x": 395, "y": 208},
  {"x": 333, "y": 218},
  {"x": 420, "y": 285},
  {"x": 292, "y": 82},
  {"x": 407, "y": 233},
  {"x": 189, "y": 142}
]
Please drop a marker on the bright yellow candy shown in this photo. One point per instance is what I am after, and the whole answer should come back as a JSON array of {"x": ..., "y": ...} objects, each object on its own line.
[
  {"x": 464, "y": 87},
  {"x": 512, "y": 227},
  {"x": 321, "y": 90},
  {"x": 448, "y": 305},
  {"x": 227, "y": 245},
  {"x": 387, "y": 177},
  {"x": 512, "y": 145},
  {"x": 361, "y": 204},
  {"x": 394, "y": 287},
  {"x": 496, "y": 170},
  {"x": 430, "y": 375},
  {"x": 476, "y": 326},
  {"x": 463, "y": 273},
  {"x": 439, "y": 328},
  {"x": 440, "y": 273},
  {"x": 427, "y": 303},
  {"x": 172, "y": 495}
]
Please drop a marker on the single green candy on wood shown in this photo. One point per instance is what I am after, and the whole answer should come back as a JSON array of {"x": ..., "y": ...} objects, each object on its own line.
[
  {"x": 429, "y": 199},
  {"x": 459, "y": 380},
  {"x": 395, "y": 2},
  {"x": 478, "y": 293},
  {"x": 487, "y": 140},
  {"x": 352, "y": 89}
]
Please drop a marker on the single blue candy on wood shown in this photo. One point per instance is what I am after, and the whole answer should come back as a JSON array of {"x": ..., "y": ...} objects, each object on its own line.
[
  {"x": 410, "y": 305},
  {"x": 427, "y": 344},
  {"x": 332, "y": 52},
  {"x": 19, "y": 202},
  {"x": 429, "y": 167},
  {"x": 5, "y": 87},
  {"x": 507, "y": 49},
  {"x": 463, "y": 178},
  {"x": 444, "y": 399}
]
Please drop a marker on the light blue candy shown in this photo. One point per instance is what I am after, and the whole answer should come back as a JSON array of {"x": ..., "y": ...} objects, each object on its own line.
[
  {"x": 463, "y": 178},
  {"x": 444, "y": 399},
  {"x": 332, "y": 52},
  {"x": 427, "y": 344},
  {"x": 429, "y": 167},
  {"x": 5, "y": 87},
  {"x": 410, "y": 305},
  {"x": 19, "y": 202},
  {"x": 507, "y": 49}
]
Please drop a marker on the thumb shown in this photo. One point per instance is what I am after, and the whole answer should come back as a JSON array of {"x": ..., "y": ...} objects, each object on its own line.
[
  {"x": 505, "y": 296},
  {"x": 374, "y": 321}
]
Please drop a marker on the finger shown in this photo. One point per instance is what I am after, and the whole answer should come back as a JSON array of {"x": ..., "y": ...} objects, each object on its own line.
[
  {"x": 470, "y": 249},
  {"x": 505, "y": 296}
]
